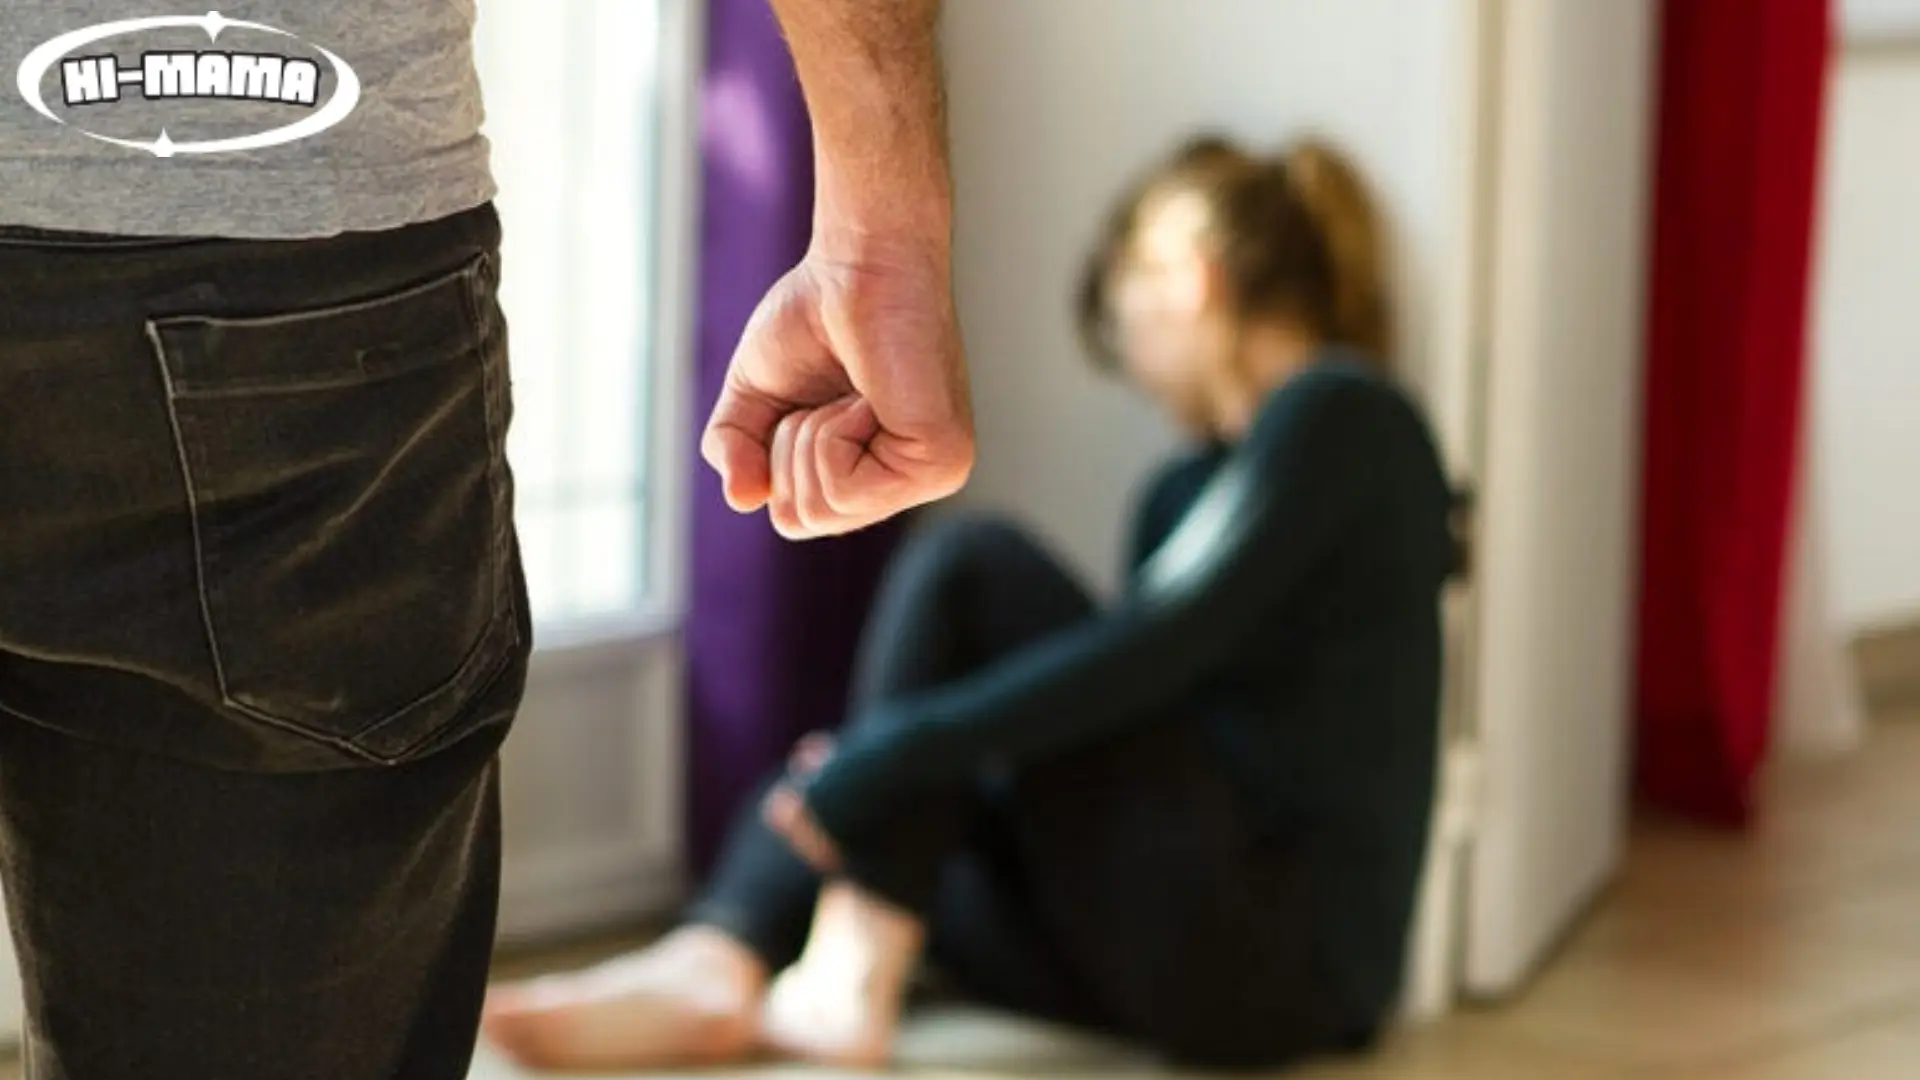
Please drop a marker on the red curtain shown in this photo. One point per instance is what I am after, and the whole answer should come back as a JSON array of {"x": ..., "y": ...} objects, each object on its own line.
[{"x": 1741, "y": 105}]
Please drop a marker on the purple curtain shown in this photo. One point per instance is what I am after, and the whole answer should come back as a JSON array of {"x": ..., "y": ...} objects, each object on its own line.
[{"x": 772, "y": 625}]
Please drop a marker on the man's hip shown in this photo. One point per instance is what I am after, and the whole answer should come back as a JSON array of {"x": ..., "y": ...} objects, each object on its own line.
[{"x": 256, "y": 503}]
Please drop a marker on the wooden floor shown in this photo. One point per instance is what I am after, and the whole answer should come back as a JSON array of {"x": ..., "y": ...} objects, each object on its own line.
[
  {"x": 1793, "y": 954},
  {"x": 1790, "y": 955}
]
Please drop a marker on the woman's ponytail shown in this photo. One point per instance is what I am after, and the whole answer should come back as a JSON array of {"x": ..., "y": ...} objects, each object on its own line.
[
  {"x": 1297, "y": 235},
  {"x": 1335, "y": 197}
]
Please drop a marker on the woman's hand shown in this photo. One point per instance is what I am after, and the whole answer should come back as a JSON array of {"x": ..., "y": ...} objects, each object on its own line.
[{"x": 785, "y": 809}]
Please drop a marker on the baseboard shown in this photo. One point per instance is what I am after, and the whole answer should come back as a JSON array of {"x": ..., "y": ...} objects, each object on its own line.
[
  {"x": 541, "y": 907},
  {"x": 1888, "y": 660}
]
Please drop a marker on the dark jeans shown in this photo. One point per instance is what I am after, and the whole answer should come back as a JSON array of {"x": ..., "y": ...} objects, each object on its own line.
[
  {"x": 262, "y": 630},
  {"x": 1119, "y": 886}
]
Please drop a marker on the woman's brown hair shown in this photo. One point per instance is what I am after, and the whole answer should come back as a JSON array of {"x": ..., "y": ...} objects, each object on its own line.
[{"x": 1298, "y": 236}]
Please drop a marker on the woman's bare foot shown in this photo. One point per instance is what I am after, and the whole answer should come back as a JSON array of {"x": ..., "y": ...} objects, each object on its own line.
[
  {"x": 840, "y": 1004},
  {"x": 693, "y": 999}
]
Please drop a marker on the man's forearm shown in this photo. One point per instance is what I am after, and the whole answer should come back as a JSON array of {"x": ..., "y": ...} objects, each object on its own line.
[{"x": 871, "y": 73}]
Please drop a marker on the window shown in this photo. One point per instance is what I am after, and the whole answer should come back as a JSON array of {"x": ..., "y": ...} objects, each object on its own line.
[{"x": 589, "y": 109}]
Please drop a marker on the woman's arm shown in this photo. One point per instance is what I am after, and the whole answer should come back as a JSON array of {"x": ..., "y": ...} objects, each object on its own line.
[
  {"x": 1164, "y": 501},
  {"x": 1267, "y": 519}
]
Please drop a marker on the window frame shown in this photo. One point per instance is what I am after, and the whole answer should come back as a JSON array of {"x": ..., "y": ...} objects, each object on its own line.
[{"x": 670, "y": 244}]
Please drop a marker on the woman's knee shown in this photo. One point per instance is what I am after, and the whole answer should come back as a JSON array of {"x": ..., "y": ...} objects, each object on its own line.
[
  {"x": 968, "y": 537},
  {"x": 989, "y": 573}
]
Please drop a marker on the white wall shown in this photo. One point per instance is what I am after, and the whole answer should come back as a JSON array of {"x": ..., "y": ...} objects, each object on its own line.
[
  {"x": 1057, "y": 102},
  {"x": 1867, "y": 343}
]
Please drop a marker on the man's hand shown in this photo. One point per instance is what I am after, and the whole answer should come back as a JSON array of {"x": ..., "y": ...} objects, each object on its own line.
[{"x": 847, "y": 400}]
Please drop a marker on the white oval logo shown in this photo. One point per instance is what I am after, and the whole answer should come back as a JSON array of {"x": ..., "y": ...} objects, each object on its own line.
[{"x": 92, "y": 80}]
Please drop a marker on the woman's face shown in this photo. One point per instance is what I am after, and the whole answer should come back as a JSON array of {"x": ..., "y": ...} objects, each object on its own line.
[{"x": 1169, "y": 332}]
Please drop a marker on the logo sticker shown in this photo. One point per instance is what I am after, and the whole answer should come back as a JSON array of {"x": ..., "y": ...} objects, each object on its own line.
[{"x": 98, "y": 79}]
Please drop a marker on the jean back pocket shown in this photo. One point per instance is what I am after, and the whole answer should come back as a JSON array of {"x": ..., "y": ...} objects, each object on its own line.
[{"x": 351, "y": 504}]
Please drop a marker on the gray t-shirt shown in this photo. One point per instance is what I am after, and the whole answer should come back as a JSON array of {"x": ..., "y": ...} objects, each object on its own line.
[{"x": 275, "y": 119}]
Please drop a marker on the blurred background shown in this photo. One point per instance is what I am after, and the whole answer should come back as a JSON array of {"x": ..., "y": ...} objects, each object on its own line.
[
  {"x": 1654, "y": 273},
  {"x": 1656, "y": 266}
]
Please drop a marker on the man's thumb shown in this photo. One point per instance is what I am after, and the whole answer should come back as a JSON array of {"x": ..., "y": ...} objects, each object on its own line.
[{"x": 736, "y": 446}]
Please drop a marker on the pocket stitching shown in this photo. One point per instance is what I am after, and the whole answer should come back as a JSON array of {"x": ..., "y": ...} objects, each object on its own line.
[
  {"x": 500, "y": 637},
  {"x": 202, "y": 565},
  {"x": 461, "y": 277},
  {"x": 463, "y": 272},
  {"x": 501, "y": 616},
  {"x": 477, "y": 276}
]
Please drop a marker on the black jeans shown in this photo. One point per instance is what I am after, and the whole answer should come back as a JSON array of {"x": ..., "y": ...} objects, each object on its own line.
[
  {"x": 262, "y": 630},
  {"x": 1120, "y": 886}
]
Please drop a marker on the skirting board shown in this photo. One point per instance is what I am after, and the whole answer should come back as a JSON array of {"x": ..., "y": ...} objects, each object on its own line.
[
  {"x": 1888, "y": 660},
  {"x": 545, "y": 906}
]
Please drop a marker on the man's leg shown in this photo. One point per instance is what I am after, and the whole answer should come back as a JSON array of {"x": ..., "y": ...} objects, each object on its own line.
[
  {"x": 262, "y": 628},
  {"x": 177, "y": 922}
]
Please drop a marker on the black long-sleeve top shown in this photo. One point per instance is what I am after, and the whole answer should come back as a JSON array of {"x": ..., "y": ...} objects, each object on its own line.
[{"x": 1283, "y": 591}]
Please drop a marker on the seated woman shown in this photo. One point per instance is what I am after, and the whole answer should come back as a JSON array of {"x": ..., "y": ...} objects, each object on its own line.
[{"x": 1196, "y": 818}]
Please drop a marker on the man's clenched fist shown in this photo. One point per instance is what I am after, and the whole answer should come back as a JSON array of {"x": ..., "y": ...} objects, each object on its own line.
[{"x": 847, "y": 401}]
